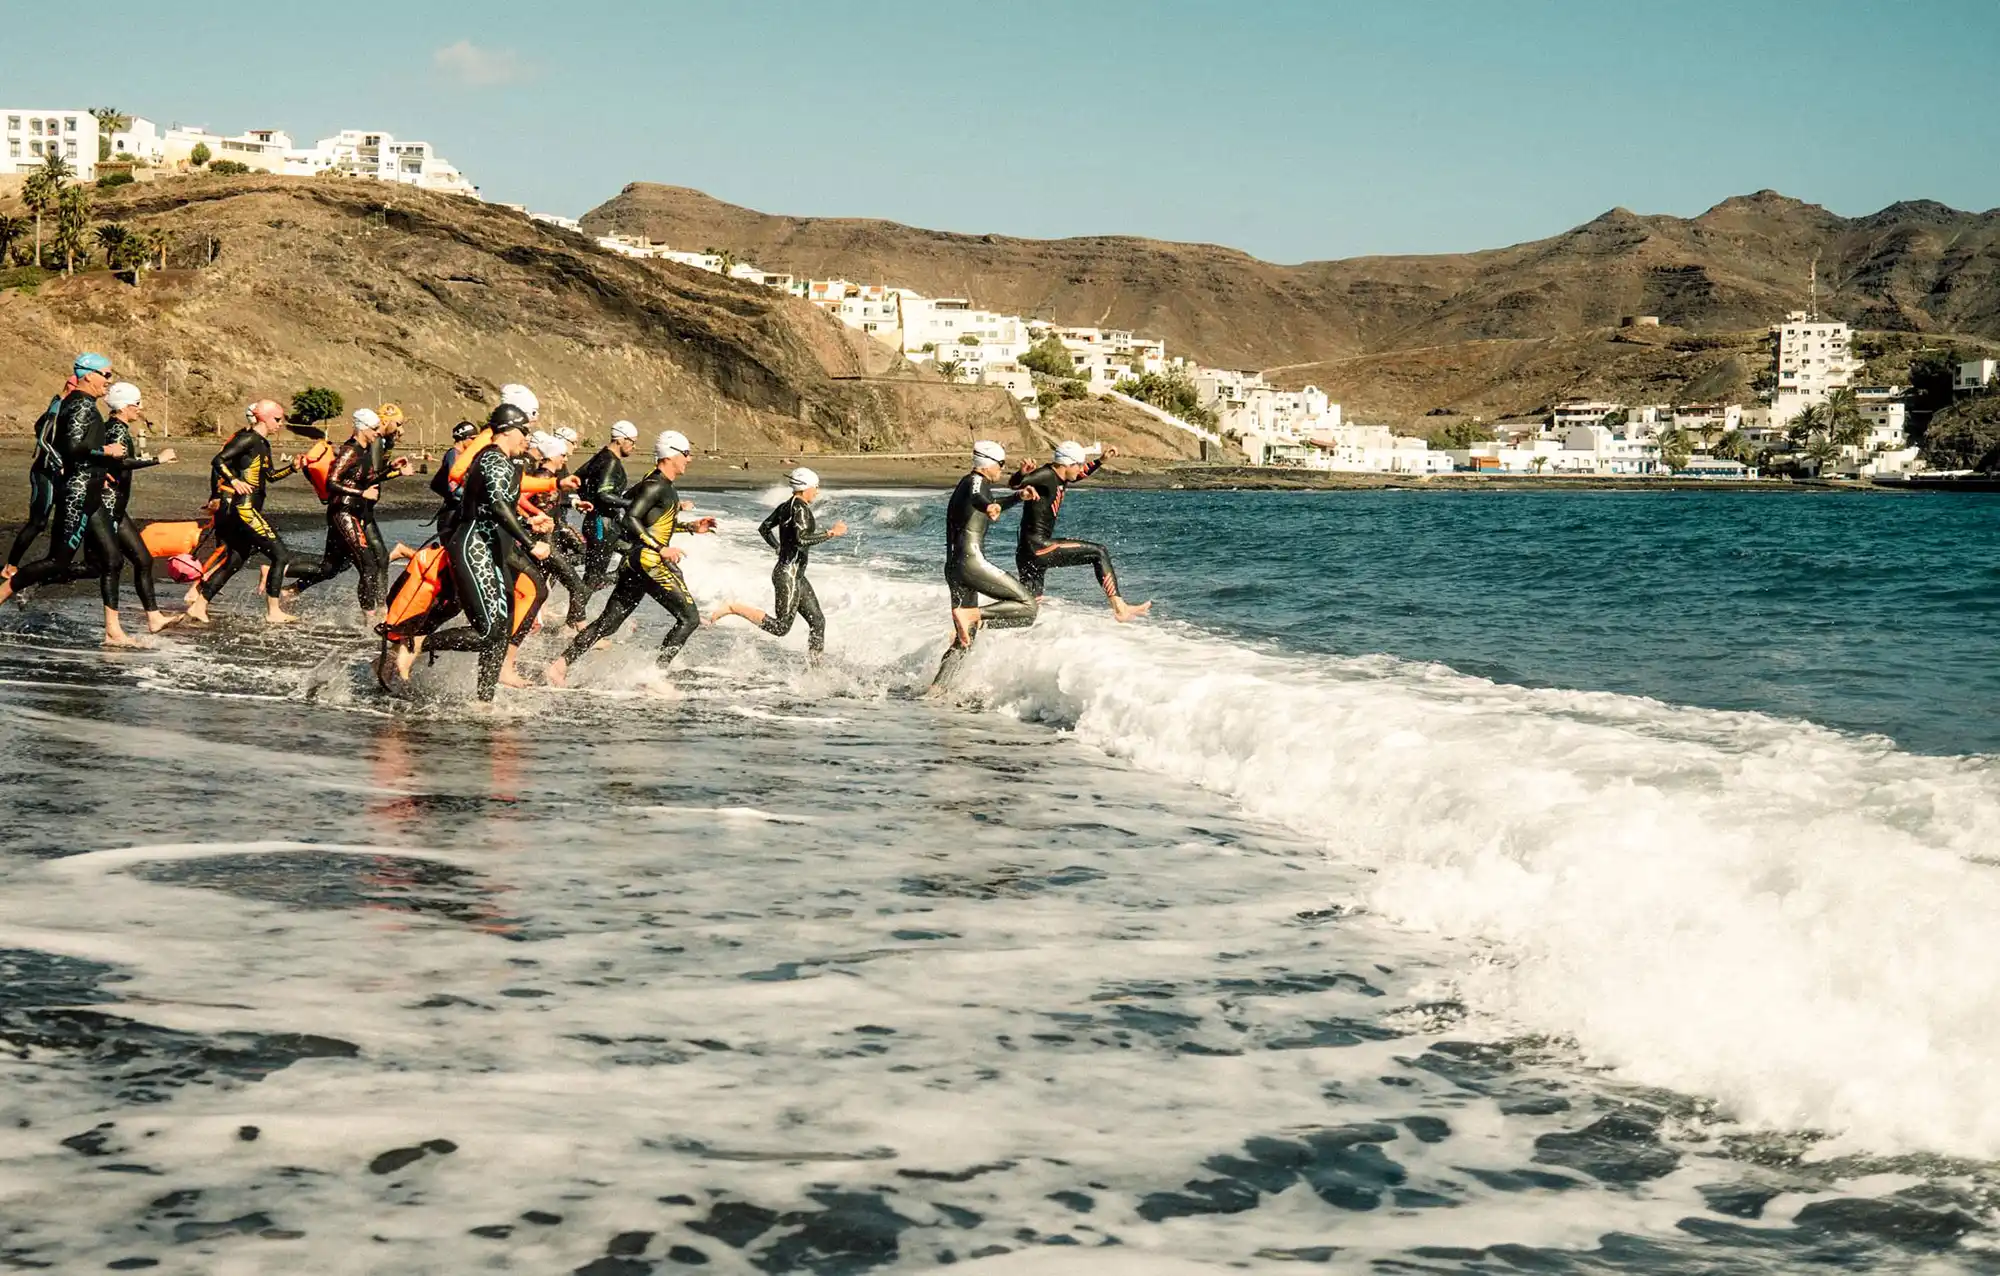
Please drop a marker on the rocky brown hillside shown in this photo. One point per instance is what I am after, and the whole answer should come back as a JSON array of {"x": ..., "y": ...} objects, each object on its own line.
[
  {"x": 433, "y": 302},
  {"x": 1913, "y": 266}
]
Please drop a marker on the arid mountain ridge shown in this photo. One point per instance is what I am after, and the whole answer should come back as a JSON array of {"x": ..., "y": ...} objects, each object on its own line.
[
  {"x": 433, "y": 301},
  {"x": 1916, "y": 266}
]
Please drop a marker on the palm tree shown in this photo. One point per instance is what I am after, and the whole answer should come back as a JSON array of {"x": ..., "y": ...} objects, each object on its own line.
[
  {"x": 1822, "y": 452},
  {"x": 41, "y": 190},
  {"x": 73, "y": 226},
  {"x": 1676, "y": 447},
  {"x": 950, "y": 368},
  {"x": 1810, "y": 421},
  {"x": 109, "y": 120},
  {"x": 156, "y": 243},
  {"x": 118, "y": 243},
  {"x": 1737, "y": 446},
  {"x": 11, "y": 230}
]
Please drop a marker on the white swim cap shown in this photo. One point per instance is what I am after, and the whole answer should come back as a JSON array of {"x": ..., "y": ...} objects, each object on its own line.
[
  {"x": 522, "y": 397},
  {"x": 987, "y": 452},
  {"x": 671, "y": 443},
  {"x": 566, "y": 434},
  {"x": 802, "y": 478},
  {"x": 1071, "y": 454},
  {"x": 624, "y": 430},
  {"x": 365, "y": 419},
  {"x": 122, "y": 395},
  {"x": 544, "y": 442}
]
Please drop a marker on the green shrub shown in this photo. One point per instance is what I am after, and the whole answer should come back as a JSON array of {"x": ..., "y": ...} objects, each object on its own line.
[
  {"x": 112, "y": 180},
  {"x": 229, "y": 168},
  {"x": 316, "y": 403}
]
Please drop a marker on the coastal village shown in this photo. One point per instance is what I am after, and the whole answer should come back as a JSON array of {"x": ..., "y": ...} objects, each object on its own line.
[{"x": 1816, "y": 418}]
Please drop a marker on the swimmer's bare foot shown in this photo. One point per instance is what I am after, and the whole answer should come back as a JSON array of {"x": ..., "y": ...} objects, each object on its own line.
[
  {"x": 406, "y": 660},
  {"x": 276, "y": 615},
  {"x": 401, "y": 552},
  {"x": 963, "y": 621},
  {"x": 197, "y": 607},
  {"x": 1123, "y": 611},
  {"x": 557, "y": 674},
  {"x": 159, "y": 620}
]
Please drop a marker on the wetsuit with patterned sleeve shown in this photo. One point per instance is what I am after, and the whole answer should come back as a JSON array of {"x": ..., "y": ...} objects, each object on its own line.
[
  {"x": 45, "y": 474},
  {"x": 483, "y": 536},
  {"x": 602, "y": 483},
  {"x": 1038, "y": 549},
  {"x": 80, "y": 438},
  {"x": 651, "y": 516},
  {"x": 792, "y": 531},
  {"x": 240, "y": 523}
]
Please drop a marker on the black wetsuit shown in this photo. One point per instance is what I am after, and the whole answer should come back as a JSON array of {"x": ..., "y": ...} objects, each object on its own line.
[
  {"x": 603, "y": 485},
  {"x": 1038, "y": 549},
  {"x": 125, "y": 529},
  {"x": 44, "y": 477},
  {"x": 484, "y": 536},
  {"x": 969, "y": 575},
  {"x": 651, "y": 517},
  {"x": 561, "y": 564},
  {"x": 792, "y": 531},
  {"x": 352, "y": 536},
  {"x": 239, "y": 521},
  {"x": 80, "y": 437}
]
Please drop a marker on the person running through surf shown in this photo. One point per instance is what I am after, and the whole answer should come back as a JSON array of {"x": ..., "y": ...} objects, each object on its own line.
[
  {"x": 792, "y": 531},
  {"x": 976, "y": 503},
  {"x": 45, "y": 472},
  {"x": 1039, "y": 550},
  {"x": 244, "y": 470},
  {"x": 651, "y": 516}
]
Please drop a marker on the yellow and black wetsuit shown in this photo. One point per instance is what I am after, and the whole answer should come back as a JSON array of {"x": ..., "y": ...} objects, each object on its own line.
[
  {"x": 651, "y": 517},
  {"x": 239, "y": 521}
]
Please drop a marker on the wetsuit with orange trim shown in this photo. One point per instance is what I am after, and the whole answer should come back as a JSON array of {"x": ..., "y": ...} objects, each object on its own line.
[
  {"x": 240, "y": 523},
  {"x": 1038, "y": 549},
  {"x": 651, "y": 516},
  {"x": 352, "y": 536},
  {"x": 542, "y": 495}
]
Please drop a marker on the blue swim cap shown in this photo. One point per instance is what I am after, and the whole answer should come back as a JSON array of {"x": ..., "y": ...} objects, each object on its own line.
[{"x": 87, "y": 363}]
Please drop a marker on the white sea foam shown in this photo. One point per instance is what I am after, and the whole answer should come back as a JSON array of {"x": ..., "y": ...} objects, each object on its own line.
[{"x": 1794, "y": 922}]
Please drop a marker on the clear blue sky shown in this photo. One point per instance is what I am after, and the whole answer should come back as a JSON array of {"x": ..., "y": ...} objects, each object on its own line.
[{"x": 1291, "y": 128}]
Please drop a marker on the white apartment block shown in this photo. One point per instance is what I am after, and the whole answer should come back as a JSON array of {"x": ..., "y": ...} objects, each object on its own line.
[
  {"x": 366, "y": 153},
  {"x": 1978, "y": 374},
  {"x": 1709, "y": 418},
  {"x": 941, "y": 322},
  {"x": 1814, "y": 356},
  {"x": 34, "y": 135},
  {"x": 1887, "y": 416},
  {"x": 1565, "y": 417}
]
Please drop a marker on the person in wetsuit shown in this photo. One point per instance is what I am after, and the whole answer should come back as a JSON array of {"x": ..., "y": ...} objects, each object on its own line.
[
  {"x": 244, "y": 470},
  {"x": 123, "y": 400},
  {"x": 487, "y": 527},
  {"x": 792, "y": 531},
  {"x": 83, "y": 449},
  {"x": 1039, "y": 550},
  {"x": 976, "y": 503},
  {"x": 45, "y": 472},
  {"x": 603, "y": 486},
  {"x": 652, "y": 515},
  {"x": 353, "y": 487}
]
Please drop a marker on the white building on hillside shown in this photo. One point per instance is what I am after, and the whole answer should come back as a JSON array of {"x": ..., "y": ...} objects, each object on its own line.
[
  {"x": 1814, "y": 356},
  {"x": 32, "y": 135},
  {"x": 1978, "y": 374},
  {"x": 1882, "y": 406},
  {"x": 953, "y": 326},
  {"x": 267, "y": 150},
  {"x": 367, "y": 153},
  {"x": 1565, "y": 417}
]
